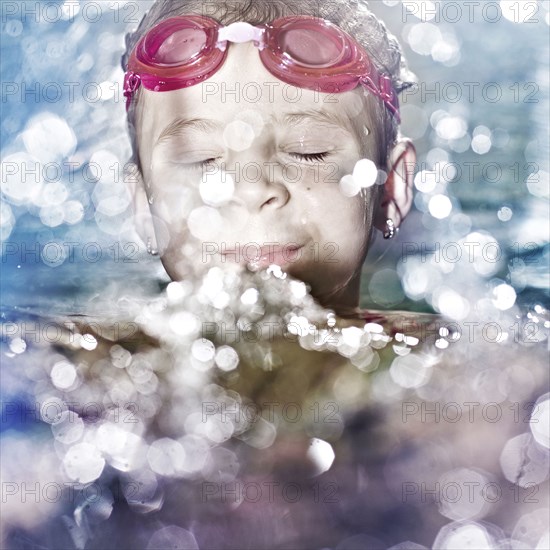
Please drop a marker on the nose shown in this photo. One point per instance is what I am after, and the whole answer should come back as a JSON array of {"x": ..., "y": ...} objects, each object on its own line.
[{"x": 259, "y": 183}]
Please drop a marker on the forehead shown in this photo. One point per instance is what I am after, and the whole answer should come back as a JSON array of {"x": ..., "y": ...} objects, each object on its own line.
[{"x": 244, "y": 84}]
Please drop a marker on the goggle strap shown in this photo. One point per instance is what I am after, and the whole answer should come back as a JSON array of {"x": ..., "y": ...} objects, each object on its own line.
[
  {"x": 384, "y": 90},
  {"x": 132, "y": 82}
]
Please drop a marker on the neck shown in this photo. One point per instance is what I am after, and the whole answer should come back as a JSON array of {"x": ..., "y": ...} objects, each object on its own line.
[{"x": 344, "y": 301}]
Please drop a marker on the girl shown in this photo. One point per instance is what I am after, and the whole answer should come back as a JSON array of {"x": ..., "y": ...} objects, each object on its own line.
[{"x": 267, "y": 133}]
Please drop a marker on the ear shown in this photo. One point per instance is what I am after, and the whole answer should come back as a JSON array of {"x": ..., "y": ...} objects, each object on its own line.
[
  {"x": 397, "y": 197},
  {"x": 143, "y": 219}
]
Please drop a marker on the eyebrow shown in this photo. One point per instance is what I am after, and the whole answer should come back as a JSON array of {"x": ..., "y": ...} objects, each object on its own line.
[
  {"x": 180, "y": 125},
  {"x": 321, "y": 115}
]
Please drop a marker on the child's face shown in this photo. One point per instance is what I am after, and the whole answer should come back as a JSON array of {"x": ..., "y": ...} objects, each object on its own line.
[{"x": 285, "y": 149}]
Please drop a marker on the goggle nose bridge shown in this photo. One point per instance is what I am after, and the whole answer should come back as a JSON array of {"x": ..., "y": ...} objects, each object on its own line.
[{"x": 239, "y": 33}]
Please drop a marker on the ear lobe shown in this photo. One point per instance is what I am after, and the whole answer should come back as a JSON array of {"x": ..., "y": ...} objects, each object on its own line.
[
  {"x": 398, "y": 189},
  {"x": 143, "y": 219}
]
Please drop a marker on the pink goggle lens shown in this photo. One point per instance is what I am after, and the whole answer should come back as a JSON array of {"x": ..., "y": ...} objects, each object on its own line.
[
  {"x": 311, "y": 48},
  {"x": 180, "y": 47}
]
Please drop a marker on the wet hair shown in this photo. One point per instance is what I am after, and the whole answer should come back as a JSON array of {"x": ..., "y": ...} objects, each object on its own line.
[{"x": 352, "y": 16}]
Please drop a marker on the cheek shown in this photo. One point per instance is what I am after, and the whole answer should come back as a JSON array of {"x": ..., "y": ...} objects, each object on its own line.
[
  {"x": 172, "y": 196},
  {"x": 352, "y": 238},
  {"x": 172, "y": 208},
  {"x": 331, "y": 204},
  {"x": 351, "y": 229},
  {"x": 342, "y": 222}
]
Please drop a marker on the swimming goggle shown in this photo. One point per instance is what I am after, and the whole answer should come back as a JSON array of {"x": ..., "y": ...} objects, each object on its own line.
[{"x": 307, "y": 52}]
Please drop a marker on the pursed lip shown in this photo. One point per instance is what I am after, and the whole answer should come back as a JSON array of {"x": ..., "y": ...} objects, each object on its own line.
[{"x": 259, "y": 257}]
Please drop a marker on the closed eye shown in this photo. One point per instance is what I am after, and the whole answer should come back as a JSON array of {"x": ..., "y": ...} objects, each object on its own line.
[
  {"x": 197, "y": 165},
  {"x": 311, "y": 157},
  {"x": 206, "y": 162}
]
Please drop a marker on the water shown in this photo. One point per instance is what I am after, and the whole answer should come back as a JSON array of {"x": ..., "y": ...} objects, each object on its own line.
[{"x": 287, "y": 427}]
